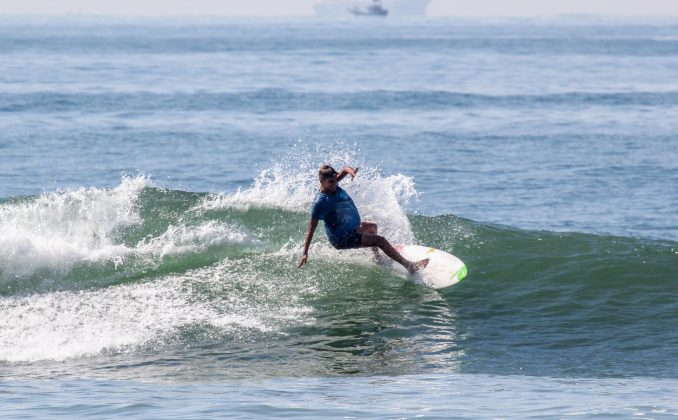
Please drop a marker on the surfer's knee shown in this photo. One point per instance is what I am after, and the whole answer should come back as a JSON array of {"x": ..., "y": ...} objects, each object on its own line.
[
  {"x": 369, "y": 228},
  {"x": 372, "y": 228}
]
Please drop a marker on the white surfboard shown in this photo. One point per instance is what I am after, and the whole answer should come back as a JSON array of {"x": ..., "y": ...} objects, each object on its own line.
[{"x": 443, "y": 270}]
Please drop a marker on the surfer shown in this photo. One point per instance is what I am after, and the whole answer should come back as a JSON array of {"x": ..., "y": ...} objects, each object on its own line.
[{"x": 343, "y": 226}]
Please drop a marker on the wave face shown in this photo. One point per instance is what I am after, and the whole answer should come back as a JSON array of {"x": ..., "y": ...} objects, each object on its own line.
[{"x": 136, "y": 274}]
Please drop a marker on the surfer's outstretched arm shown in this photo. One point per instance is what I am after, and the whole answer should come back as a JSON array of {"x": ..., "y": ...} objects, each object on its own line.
[
  {"x": 347, "y": 170},
  {"x": 309, "y": 237}
]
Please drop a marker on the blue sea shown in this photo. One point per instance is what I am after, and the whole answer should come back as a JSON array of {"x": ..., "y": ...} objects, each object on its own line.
[{"x": 155, "y": 182}]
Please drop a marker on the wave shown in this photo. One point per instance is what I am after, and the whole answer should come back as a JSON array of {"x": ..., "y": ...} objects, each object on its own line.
[
  {"x": 86, "y": 237},
  {"x": 280, "y": 100},
  {"x": 136, "y": 226},
  {"x": 134, "y": 268}
]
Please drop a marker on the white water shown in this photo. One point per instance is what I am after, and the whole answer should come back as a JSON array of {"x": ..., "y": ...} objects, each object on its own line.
[
  {"x": 125, "y": 318},
  {"x": 56, "y": 232}
]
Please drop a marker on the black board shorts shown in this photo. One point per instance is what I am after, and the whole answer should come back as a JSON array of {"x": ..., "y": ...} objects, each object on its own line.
[{"x": 352, "y": 240}]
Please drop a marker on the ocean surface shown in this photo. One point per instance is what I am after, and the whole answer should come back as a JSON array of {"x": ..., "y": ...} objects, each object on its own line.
[{"x": 155, "y": 183}]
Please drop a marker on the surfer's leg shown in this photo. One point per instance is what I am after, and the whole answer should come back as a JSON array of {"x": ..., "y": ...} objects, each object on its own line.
[
  {"x": 384, "y": 245},
  {"x": 370, "y": 228}
]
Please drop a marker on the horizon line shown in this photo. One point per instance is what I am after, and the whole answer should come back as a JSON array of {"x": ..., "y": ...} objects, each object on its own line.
[{"x": 217, "y": 15}]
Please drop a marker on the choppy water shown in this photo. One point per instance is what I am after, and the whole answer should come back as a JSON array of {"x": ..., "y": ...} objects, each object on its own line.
[{"x": 156, "y": 178}]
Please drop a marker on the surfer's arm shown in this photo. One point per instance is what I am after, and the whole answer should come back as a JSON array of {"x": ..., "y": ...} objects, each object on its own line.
[
  {"x": 307, "y": 243},
  {"x": 347, "y": 170}
]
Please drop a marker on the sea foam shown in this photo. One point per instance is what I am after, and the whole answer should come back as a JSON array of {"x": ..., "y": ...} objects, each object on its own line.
[
  {"x": 50, "y": 235},
  {"x": 125, "y": 318}
]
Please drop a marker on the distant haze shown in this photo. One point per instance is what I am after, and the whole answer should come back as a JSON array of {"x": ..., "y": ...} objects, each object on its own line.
[
  {"x": 552, "y": 7},
  {"x": 305, "y": 7}
]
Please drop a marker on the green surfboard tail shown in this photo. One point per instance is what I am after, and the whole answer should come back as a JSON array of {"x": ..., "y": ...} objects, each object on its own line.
[{"x": 461, "y": 273}]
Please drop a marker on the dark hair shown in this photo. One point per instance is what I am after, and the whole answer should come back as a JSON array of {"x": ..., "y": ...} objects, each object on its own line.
[{"x": 326, "y": 171}]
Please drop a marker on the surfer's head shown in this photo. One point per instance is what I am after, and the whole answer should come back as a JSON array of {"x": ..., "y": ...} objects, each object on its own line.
[
  {"x": 326, "y": 171},
  {"x": 328, "y": 179}
]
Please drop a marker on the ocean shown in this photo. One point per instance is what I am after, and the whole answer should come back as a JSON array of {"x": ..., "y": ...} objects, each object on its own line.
[{"x": 155, "y": 187}]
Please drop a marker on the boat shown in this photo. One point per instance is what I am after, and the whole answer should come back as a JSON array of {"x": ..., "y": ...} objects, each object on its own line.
[
  {"x": 396, "y": 8},
  {"x": 374, "y": 9}
]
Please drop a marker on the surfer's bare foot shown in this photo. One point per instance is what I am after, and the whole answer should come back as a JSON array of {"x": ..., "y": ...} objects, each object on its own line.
[{"x": 416, "y": 266}]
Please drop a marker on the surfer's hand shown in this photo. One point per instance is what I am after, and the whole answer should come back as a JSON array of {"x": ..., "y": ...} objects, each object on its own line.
[
  {"x": 304, "y": 258},
  {"x": 347, "y": 170}
]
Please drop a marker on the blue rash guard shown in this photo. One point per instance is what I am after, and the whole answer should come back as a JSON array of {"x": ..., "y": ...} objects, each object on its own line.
[{"x": 340, "y": 215}]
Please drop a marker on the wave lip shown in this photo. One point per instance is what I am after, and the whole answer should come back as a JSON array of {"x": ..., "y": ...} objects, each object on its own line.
[
  {"x": 58, "y": 230},
  {"x": 90, "y": 236}
]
